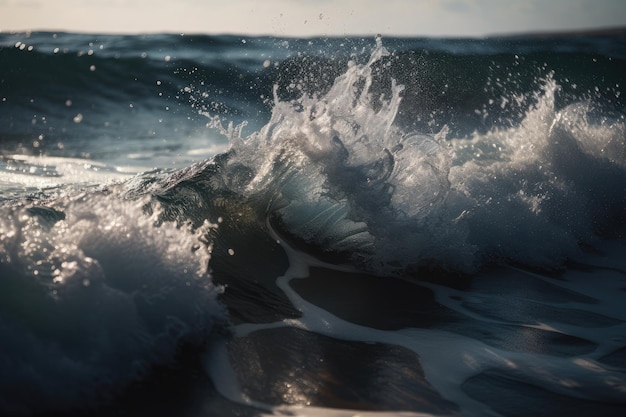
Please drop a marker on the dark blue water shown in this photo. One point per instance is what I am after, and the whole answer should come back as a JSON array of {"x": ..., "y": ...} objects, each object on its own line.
[
  {"x": 150, "y": 88},
  {"x": 251, "y": 226}
]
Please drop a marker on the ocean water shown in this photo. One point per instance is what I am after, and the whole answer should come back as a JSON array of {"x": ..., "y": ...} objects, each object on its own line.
[{"x": 250, "y": 226}]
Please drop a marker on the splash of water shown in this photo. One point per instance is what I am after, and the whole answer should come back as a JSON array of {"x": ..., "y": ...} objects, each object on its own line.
[
  {"x": 94, "y": 295},
  {"x": 335, "y": 172},
  {"x": 534, "y": 192}
]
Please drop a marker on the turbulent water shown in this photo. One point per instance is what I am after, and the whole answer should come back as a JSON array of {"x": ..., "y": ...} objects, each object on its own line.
[{"x": 205, "y": 225}]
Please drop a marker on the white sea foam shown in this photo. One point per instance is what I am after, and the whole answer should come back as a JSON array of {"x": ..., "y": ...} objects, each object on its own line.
[
  {"x": 93, "y": 296},
  {"x": 339, "y": 174},
  {"x": 450, "y": 359},
  {"x": 533, "y": 192}
]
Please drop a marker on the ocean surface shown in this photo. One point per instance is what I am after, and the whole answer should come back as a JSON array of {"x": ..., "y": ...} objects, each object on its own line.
[{"x": 198, "y": 225}]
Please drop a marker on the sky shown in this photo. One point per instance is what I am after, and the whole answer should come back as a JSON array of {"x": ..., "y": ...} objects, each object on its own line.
[{"x": 303, "y": 18}]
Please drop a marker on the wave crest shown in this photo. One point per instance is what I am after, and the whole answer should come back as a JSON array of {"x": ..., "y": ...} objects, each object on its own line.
[
  {"x": 93, "y": 294},
  {"x": 335, "y": 172}
]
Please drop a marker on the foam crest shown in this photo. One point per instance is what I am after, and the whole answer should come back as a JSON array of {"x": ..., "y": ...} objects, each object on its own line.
[
  {"x": 94, "y": 294},
  {"x": 526, "y": 197},
  {"x": 335, "y": 172}
]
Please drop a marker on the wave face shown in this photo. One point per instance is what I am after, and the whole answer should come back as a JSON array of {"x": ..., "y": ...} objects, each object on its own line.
[
  {"x": 336, "y": 171},
  {"x": 174, "y": 203}
]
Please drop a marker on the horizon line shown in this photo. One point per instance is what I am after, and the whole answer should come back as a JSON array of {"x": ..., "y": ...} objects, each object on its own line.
[{"x": 589, "y": 31}]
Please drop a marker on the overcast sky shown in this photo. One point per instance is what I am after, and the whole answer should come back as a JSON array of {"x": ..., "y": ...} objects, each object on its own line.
[{"x": 312, "y": 17}]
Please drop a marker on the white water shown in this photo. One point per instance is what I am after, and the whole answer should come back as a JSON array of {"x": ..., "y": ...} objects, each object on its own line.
[
  {"x": 342, "y": 176},
  {"x": 94, "y": 298}
]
